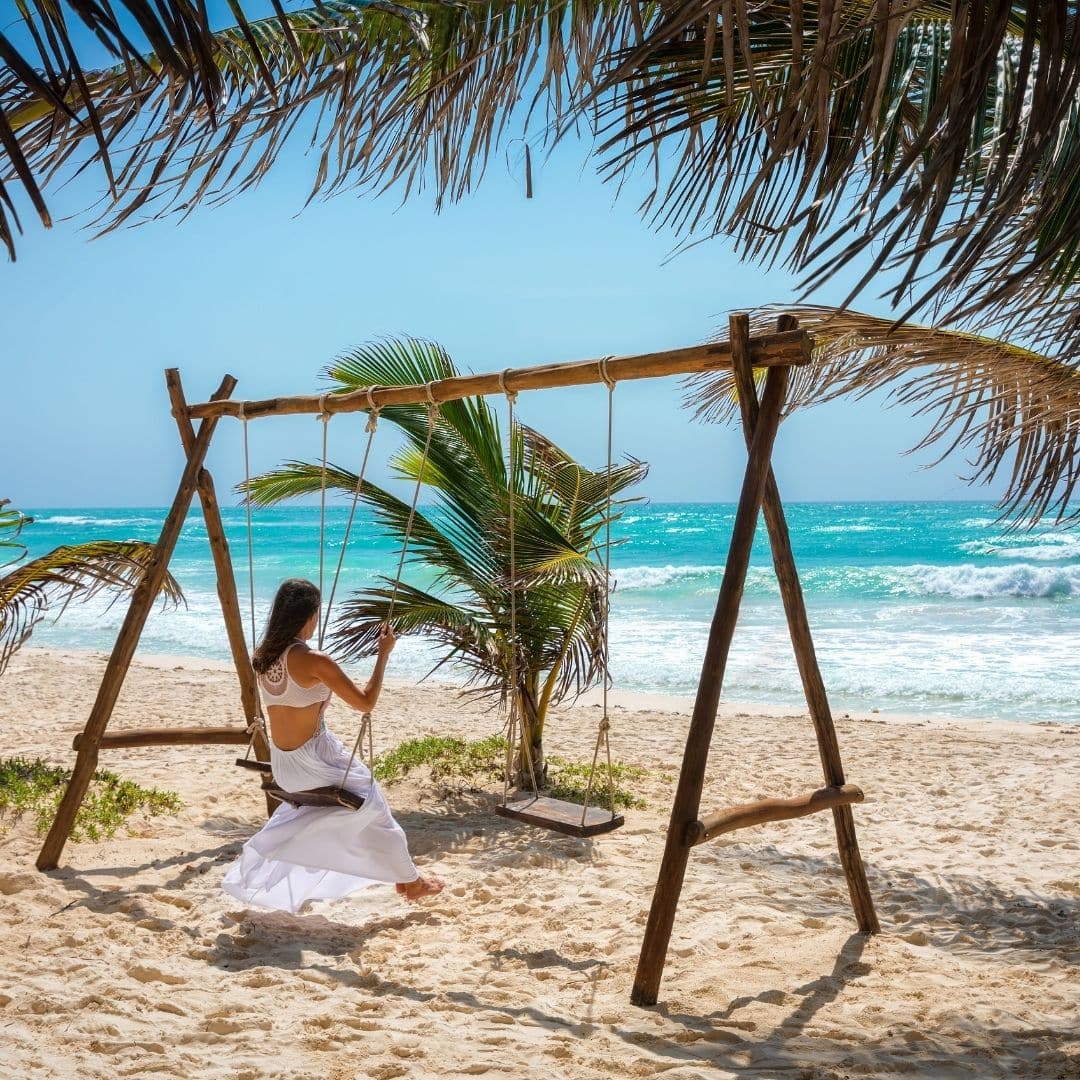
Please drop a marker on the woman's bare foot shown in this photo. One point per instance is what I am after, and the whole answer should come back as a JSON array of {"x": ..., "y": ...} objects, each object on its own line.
[{"x": 421, "y": 887}]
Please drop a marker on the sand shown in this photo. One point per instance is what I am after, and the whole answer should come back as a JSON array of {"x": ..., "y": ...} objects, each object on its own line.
[{"x": 130, "y": 961}]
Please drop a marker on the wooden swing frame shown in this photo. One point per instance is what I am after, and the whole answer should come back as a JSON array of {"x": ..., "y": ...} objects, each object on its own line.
[{"x": 777, "y": 353}]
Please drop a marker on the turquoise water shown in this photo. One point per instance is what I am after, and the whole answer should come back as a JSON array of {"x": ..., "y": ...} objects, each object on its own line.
[{"x": 915, "y": 607}]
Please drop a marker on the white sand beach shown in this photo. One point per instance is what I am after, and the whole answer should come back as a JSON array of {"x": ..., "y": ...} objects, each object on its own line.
[{"x": 130, "y": 960}]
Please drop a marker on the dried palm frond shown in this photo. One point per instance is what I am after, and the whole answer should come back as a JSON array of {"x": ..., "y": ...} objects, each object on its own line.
[
  {"x": 942, "y": 139},
  {"x": 70, "y": 572},
  {"x": 1009, "y": 407}
]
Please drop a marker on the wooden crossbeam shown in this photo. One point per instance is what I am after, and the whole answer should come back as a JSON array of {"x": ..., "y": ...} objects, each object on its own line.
[
  {"x": 763, "y": 810},
  {"x": 786, "y": 349},
  {"x": 177, "y": 736}
]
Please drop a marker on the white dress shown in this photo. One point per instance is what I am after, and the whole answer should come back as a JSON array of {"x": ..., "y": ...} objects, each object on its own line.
[{"x": 311, "y": 852}]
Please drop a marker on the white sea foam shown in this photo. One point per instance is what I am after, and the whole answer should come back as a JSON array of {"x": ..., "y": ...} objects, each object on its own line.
[
  {"x": 655, "y": 577},
  {"x": 79, "y": 519},
  {"x": 841, "y": 529},
  {"x": 1042, "y": 547},
  {"x": 968, "y": 582}
]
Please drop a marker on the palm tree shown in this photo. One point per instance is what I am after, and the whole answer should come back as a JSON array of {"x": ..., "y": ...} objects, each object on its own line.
[
  {"x": 70, "y": 572},
  {"x": 1007, "y": 406},
  {"x": 943, "y": 138},
  {"x": 560, "y": 509}
]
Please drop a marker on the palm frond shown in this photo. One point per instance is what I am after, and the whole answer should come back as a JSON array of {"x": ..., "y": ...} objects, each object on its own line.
[
  {"x": 71, "y": 572},
  {"x": 1006, "y": 406},
  {"x": 12, "y": 523},
  {"x": 461, "y": 534},
  {"x": 942, "y": 139}
]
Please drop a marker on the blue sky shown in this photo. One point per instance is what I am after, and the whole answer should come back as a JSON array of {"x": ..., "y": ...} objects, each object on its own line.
[{"x": 271, "y": 294}]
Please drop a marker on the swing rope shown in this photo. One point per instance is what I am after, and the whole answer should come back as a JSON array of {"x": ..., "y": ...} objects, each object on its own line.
[
  {"x": 370, "y": 428},
  {"x": 602, "y": 735},
  {"x": 324, "y": 418},
  {"x": 514, "y": 727},
  {"x": 247, "y": 505},
  {"x": 433, "y": 412},
  {"x": 258, "y": 721}
]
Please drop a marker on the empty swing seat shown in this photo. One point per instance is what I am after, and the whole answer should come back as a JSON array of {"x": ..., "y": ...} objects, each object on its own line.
[
  {"x": 323, "y": 796},
  {"x": 561, "y": 816}
]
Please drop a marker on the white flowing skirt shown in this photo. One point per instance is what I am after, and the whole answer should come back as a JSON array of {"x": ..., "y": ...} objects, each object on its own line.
[{"x": 320, "y": 853}]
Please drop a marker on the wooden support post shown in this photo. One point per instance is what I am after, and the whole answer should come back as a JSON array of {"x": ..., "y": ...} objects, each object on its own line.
[
  {"x": 787, "y": 575},
  {"x": 684, "y": 810},
  {"x": 226, "y": 579},
  {"x": 764, "y": 810},
  {"x": 142, "y": 600},
  {"x": 176, "y": 736}
]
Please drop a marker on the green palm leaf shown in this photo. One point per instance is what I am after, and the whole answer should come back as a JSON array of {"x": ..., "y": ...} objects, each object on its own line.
[
  {"x": 71, "y": 572},
  {"x": 461, "y": 536}
]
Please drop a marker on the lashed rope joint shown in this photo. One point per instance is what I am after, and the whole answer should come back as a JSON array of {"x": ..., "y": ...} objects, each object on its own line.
[
  {"x": 511, "y": 395},
  {"x": 605, "y": 376},
  {"x": 433, "y": 404},
  {"x": 373, "y": 410}
]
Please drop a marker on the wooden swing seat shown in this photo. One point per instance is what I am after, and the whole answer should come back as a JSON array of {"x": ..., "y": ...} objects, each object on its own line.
[
  {"x": 561, "y": 816},
  {"x": 323, "y": 796}
]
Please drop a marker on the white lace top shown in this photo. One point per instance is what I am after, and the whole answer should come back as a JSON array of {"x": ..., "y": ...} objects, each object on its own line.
[{"x": 280, "y": 688}]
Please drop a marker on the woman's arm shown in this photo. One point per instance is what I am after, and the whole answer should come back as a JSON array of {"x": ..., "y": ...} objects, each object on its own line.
[{"x": 319, "y": 666}]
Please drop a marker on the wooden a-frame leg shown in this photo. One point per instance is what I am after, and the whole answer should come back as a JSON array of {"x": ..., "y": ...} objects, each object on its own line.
[
  {"x": 142, "y": 600},
  {"x": 817, "y": 699},
  {"x": 687, "y": 802},
  {"x": 226, "y": 579}
]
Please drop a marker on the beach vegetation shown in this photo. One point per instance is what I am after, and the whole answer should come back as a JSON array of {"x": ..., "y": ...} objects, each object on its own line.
[
  {"x": 31, "y": 587},
  {"x": 460, "y": 539},
  {"x": 450, "y": 760},
  {"x": 35, "y": 787},
  {"x": 939, "y": 141}
]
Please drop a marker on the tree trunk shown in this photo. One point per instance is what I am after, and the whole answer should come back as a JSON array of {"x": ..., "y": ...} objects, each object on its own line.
[{"x": 532, "y": 737}]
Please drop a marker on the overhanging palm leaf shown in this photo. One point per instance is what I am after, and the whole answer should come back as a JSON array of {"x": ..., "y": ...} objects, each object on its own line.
[
  {"x": 944, "y": 138},
  {"x": 1009, "y": 407},
  {"x": 71, "y": 572}
]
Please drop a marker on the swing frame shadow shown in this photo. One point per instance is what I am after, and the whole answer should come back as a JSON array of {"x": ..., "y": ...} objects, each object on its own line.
[{"x": 788, "y": 347}]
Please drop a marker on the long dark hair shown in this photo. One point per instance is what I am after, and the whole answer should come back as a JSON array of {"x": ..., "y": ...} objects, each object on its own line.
[{"x": 296, "y": 601}]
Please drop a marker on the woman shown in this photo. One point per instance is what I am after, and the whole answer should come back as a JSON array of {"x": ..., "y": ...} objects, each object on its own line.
[{"x": 307, "y": 852}]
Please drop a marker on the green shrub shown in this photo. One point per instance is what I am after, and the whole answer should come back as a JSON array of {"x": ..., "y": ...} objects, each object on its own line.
[
  {"x": 457, "y": 760},
  {"x": 35, "y": 787},
  {"x": 569, "y": 780},
  {"x": 448, "y": 758}
]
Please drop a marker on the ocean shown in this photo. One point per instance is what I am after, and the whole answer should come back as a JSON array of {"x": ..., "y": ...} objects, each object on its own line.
[{"x": 915, "y": 607}]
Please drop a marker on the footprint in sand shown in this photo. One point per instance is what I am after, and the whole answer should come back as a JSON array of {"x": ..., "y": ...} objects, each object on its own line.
[
  {"x": 13, "y": 883},
  {"x": 176, "y": 901},
  {"x": 146, "y": 973}
]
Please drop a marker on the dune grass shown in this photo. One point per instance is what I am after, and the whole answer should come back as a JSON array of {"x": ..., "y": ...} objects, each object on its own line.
[
  {"x": 452, "y": 760},
  {"x": 37, "y": 787}
]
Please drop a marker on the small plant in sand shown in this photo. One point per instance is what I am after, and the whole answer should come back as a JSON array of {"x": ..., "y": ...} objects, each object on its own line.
[
  {"x": 36, "y": 787},
  {"x": 452, "y": 760}
]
